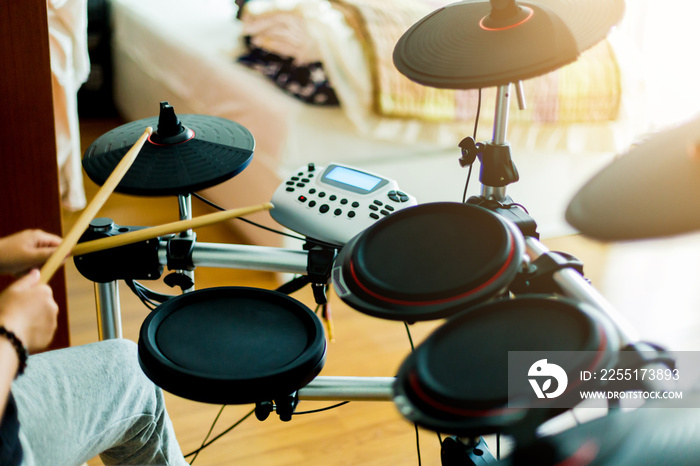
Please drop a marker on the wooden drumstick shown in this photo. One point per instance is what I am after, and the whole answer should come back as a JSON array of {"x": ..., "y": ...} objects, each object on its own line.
[
  {"x": 166, "y": 229},
  {"x": 71, "y": 239}
]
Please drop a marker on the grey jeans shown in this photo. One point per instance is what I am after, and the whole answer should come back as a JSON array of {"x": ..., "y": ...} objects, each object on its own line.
[{"x": 78, "y": 402}]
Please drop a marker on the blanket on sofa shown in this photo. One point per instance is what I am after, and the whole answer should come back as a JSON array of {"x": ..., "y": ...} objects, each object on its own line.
[{"x": 586, "y": 91}]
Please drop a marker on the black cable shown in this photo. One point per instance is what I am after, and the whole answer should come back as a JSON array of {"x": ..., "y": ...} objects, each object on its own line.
[
  {"x": 417, "y": 444},
  {"x": 466, "y": 185},
  {"x": 205, "y": 444},
  {"x": 153, "y": 296},
  {"x": 221, "y": 434},
  {"x": 498, "y": 446},
  {"x": 515, "y": 204},
  {"x": 295, "y": 284},
  {"x": 207, "y": 201},
  {"x": 151, "y": 299},
  {"x": 410, "y": 340},
  {"x": 146, "y": 302},
  {"x": 272, "y": 230},
  {"x": 476, "y": 127},
  {"x": 143, "y": 293},
  {"x": 408, "y": 332},
  {"x": 413, "y": 348},
  {"x": 338, "y": 405},
  {"x": 478, "y": 112},
  {"x": 208, "y": 434}
]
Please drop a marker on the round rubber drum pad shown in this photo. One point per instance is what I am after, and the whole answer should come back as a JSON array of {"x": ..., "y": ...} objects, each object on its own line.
[
  {"x": 457, "y": 379},
  {"x": 232, "y": 345},
  {"x": 427, "y": 261}
]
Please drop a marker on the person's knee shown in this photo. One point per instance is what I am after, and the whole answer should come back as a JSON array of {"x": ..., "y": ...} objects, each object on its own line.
[
  {"x": 126, "y": 371},
  {"x": 123, "y": 357},
  {"x": 122, "y": 350},
  {"x": 121, "y": 346}
]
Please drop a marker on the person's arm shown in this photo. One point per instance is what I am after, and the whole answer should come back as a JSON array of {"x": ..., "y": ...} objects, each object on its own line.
[{"x": 28, "y": 312}]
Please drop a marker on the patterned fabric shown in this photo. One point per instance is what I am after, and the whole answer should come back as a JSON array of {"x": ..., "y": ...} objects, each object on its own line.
[
  {"x": 307, "y": 82},
  {"x": 588, "y": 90},
  {"x": 379, "y": 25}
]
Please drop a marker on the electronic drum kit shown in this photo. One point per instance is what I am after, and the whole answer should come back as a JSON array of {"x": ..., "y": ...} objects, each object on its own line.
[{"x": 499, "y": 289}]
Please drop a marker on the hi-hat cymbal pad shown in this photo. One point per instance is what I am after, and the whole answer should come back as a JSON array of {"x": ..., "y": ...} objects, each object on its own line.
[
  {"x": 181, "y": 156},
  {"x": 474, "y": 44}
]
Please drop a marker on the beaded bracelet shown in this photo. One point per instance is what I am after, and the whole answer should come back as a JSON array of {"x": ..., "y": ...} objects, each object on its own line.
[{"x": 22, "y": 353}]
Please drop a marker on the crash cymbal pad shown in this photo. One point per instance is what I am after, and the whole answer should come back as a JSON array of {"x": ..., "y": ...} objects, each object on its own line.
[
  {"x": 474, "y": 44},
  {"x": 651, "y": 191},
  {"x": 184, "y": 154}
]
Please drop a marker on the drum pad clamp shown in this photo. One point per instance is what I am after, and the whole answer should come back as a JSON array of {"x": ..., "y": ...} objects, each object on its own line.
[
  {"x": 320, "y": 264},
  {"x": 510, "y": 210},
  {"x": 180, "y": 249},
  {"x": 138, "y": 261},
  {"x": 284, "y": 407},
  {"x": 539, "y": 276},
  {"x": 497, "y": 167}
]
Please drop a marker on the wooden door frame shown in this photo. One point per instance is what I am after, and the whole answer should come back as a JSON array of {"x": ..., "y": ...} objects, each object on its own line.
[{"x": 29, "y": 182}]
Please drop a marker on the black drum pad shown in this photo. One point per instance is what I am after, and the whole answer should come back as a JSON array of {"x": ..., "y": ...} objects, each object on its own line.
[
  {"x": 232, "y": 345},
  {"x": 428, "y": 262},
  {"x": 456, "y": 381}
]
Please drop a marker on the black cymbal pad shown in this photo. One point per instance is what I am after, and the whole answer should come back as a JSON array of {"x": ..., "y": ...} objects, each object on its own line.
[{"x": 217, "y": 150}]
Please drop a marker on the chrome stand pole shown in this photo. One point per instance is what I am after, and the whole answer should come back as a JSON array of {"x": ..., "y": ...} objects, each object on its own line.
[
  {"x": 500, "y": 127},
  {"x": 109, "y": 320},
  {"x": 331, "y": 388},
  {"x": 576, "y": 287}
]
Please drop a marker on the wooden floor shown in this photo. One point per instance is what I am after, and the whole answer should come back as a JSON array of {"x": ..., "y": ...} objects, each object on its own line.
[{"x": 367, "y": 433}]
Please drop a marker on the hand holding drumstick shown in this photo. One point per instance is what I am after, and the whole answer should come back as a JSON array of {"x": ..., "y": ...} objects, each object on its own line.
[{"x": 27, "y": 307}]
